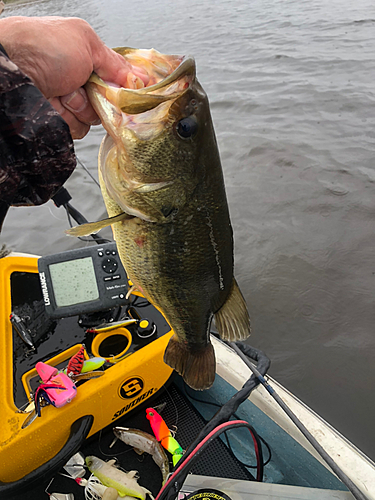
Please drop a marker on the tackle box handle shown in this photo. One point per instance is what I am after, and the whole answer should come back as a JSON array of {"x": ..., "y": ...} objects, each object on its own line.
[{"x": 78, "y": 433}]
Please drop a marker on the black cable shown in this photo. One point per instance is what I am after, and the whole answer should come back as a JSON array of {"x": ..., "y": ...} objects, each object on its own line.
[
  {"x": 217, "y": 405},
  {"x": 175, "y": 482},
  {"x": 268, "y": 449}
]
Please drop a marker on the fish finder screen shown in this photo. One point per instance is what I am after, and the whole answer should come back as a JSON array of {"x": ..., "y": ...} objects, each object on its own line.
[{"x": 74, "y": 282}]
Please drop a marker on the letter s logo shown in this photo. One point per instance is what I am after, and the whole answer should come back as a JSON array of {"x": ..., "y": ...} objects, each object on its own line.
[{"x": 131, "y": 388}]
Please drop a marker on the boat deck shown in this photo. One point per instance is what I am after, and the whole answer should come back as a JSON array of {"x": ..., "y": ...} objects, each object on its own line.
[
  {"x": 290, "y": 463},
  {"x": 218, "y": 461}
]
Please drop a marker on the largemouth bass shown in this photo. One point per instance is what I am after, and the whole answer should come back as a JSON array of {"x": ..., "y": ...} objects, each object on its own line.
[{"x": 162, "y": 183}]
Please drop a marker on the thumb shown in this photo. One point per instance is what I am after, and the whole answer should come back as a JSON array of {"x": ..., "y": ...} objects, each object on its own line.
[{"x": 78, "y": 103}]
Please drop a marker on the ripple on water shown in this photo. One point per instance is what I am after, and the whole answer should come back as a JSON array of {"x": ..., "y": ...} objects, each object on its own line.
[{"x": 292, "y": 92}]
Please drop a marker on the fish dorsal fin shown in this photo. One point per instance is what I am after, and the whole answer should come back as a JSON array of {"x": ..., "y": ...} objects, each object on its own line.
[
  {"x": 94, "y": 227},
  {"x": 232, "y": 319}
]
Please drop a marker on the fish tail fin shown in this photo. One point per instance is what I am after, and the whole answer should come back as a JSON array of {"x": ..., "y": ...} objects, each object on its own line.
[
  {"x": 196, "y": 368},
  {"x": 232, "y": 319},
  {"x": 94, "y": 227}
]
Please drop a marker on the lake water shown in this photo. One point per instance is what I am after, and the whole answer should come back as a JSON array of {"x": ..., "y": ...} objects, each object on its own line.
[{"x": 291, "y": 86}]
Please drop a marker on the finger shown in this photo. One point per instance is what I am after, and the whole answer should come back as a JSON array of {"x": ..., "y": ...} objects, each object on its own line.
[
  {"x": 112, "y": 67},
  {"x": 77, "y": 103},
  {"x": 109, "y": 65},
  {"x": 78, "y": 129}
]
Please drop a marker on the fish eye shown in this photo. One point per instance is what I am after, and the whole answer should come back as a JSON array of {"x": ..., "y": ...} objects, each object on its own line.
[{"x": 187, "y": 127}]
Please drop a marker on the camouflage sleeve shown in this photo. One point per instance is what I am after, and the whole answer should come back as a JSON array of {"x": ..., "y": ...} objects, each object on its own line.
[{"x": 36, "y": 148}]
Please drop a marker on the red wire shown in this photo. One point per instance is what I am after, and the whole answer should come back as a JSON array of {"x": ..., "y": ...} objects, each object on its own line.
[
  {"x": 199, "y": 446},
  {"x": 256, "y": 454}
]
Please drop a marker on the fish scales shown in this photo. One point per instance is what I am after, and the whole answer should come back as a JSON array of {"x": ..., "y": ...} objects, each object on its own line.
[{"x": 160, "y": 167}]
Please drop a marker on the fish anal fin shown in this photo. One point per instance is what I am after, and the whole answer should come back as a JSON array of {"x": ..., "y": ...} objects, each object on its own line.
[
  {"x": 197, "y": 368},
  {"x": 94, "y": 227},
  {"x": 232, "y": 319}
]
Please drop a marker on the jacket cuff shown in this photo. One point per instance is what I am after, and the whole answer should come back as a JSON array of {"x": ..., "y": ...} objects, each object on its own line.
[{"x": 36, "y": 148}]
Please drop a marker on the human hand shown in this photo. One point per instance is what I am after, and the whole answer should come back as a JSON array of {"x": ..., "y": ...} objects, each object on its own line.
[{"x": 59, "y": 54}]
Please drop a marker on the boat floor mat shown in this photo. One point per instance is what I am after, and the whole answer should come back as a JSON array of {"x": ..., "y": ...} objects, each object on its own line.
[{"x": 178, "y": 413}]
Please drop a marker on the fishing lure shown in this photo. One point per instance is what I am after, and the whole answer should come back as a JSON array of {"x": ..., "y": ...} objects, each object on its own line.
[
  {"x": 76, "y": 362},
  {"x": 57, "y": 391},
  {"x": 107, "y": 327},
  {"x": 46, "y": 372},
  {"x": 86, "y": 376},
  {"x": 43, "y": 392},
  {"x": 164, "y": 435},
  {"x": 124, "y": 482},
  {"x": 92, "y": 364},
  {"x": 21, "y": 329},
  {"x": 89, "y": 365},
  {"x": 142, "y": 442},
  {"x": 95, "y": 490}
]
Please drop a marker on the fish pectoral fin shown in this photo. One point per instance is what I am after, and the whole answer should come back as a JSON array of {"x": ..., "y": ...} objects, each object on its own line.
[
  {"x": 232, "y": 319},
  {"x": 196, "y": 367},
  {"x": 94, "y": 227}
]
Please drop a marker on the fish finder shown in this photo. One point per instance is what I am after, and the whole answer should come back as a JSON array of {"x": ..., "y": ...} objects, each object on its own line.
[{"x": 83, "y": 281}]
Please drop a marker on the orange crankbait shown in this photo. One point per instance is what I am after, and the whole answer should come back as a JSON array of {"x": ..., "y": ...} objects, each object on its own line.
[
  {"x": 76, "y": 362},
  {"x": 164, "y": 435}
]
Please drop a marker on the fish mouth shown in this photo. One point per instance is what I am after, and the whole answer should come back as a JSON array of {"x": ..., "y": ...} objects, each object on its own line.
[
  {"x": 135, "y": 114},
  {"x": 153, "y": 79}
]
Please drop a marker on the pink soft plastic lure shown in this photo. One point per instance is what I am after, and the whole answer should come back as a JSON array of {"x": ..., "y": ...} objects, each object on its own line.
[{"x": 164, "y": 435}]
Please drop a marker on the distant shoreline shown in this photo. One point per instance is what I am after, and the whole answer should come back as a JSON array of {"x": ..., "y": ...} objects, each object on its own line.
[{"x": 19, "y": 2}]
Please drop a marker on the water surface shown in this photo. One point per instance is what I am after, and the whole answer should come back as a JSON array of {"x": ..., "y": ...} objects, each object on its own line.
[{"x": 291, "y": 86}]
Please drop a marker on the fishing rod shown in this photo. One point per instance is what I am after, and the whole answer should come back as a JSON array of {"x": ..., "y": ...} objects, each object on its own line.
[
  {"x": 62, "y": 199},
  {"x": 357, "y": 493},
  {"x": 87, "y": 171}
]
